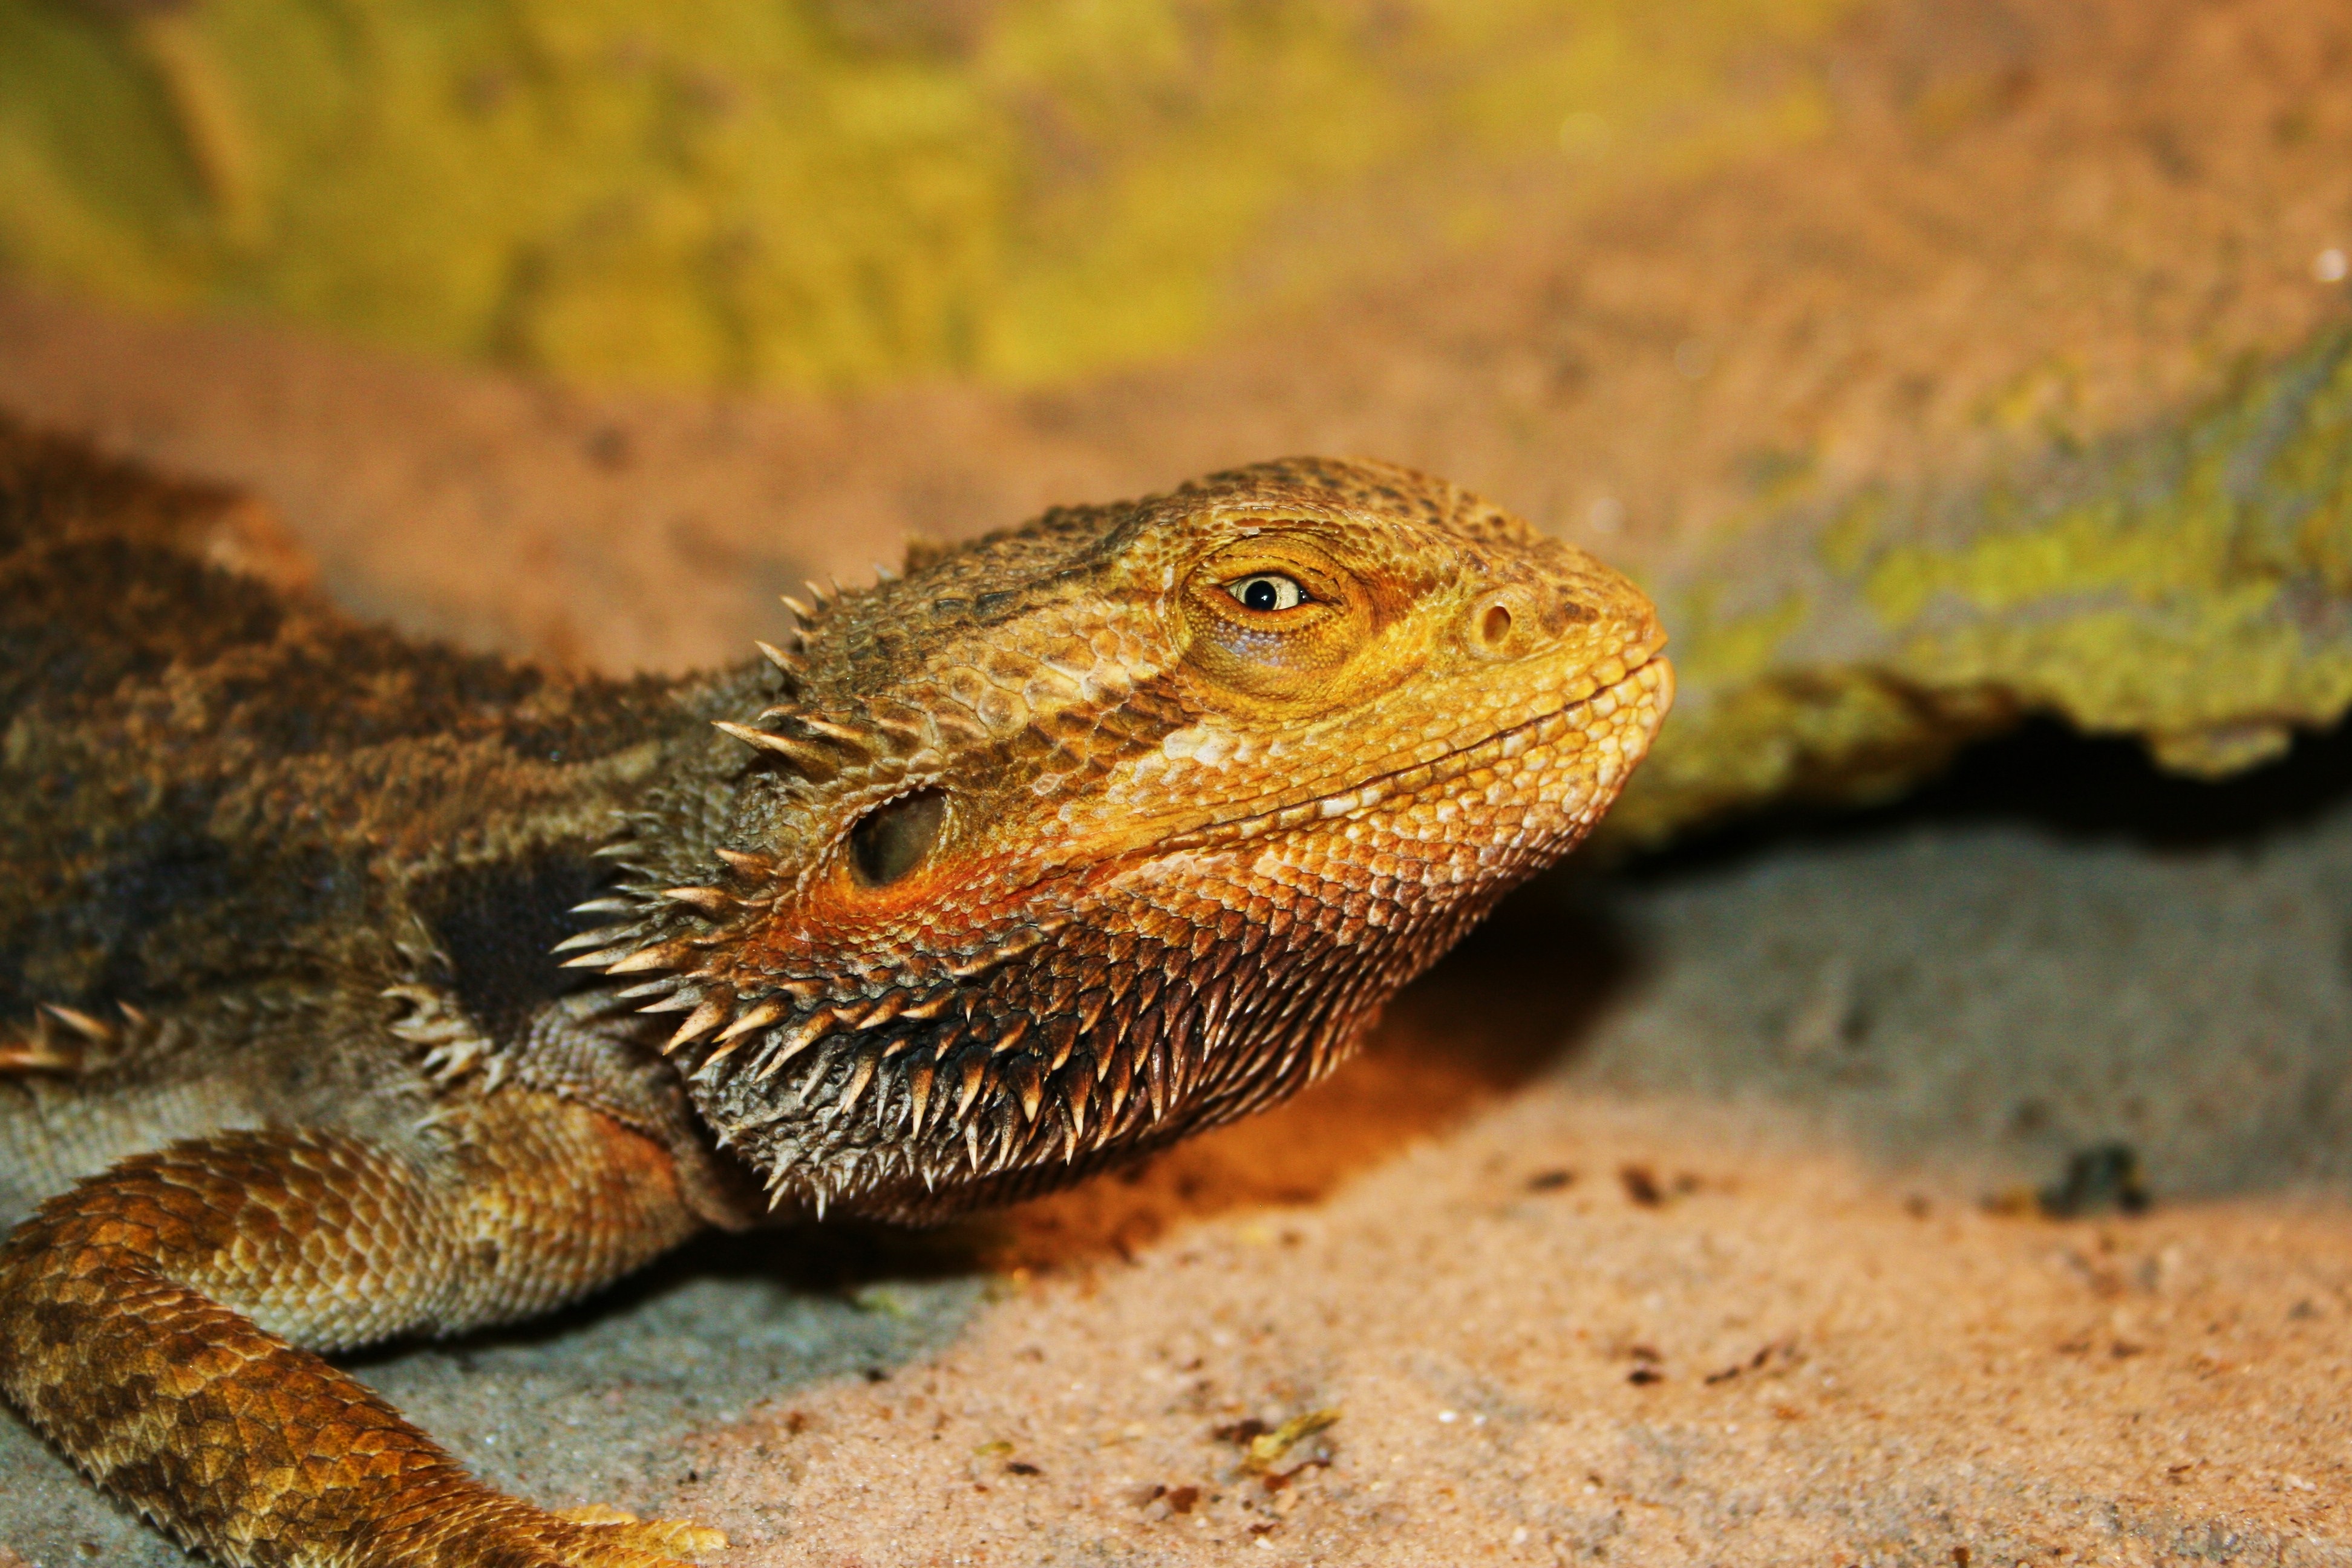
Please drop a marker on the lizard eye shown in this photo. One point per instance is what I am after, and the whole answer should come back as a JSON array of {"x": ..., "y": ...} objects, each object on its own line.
[
  {"x": 1266, "y": 591},
  {"x": 1278, "y": 611},
  {"x": 892, "y": 839}
]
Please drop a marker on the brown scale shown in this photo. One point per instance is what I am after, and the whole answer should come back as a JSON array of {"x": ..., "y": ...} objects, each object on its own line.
[{"x": 351, "y": 988}]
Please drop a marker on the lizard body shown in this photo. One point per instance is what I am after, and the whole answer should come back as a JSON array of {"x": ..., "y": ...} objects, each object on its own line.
[{"x": 353, "y": 988}]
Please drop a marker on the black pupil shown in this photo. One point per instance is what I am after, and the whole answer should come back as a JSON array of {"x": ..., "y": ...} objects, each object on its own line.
[{"x": 1260, "y": 594}]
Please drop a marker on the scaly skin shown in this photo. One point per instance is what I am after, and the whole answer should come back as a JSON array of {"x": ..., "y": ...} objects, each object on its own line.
[{"x": 1077, "y": 839}]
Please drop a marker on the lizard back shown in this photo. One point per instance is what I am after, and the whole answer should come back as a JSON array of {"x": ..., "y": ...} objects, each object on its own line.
[{"x": 232, "y": 819}]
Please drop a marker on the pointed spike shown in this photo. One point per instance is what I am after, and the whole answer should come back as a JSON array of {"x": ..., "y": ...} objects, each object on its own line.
[
  {"x": 859, "y": 1077},
  {"x": 661, "y": 955},
  {"x": 801, "y": 753},
  {"x": 883, "y": 573},
  {"x": 1011, "y": 1036},
  {"x": 805, "y": 614},
  {"x": 918, "y": 1090},
  {"x": 806, "y": 1092},
  {"x": 792, "y": 1046},
  {"x": 709, "y": 900},
  {"x": 816, "y": 1026},
  {"x": 605, "y": 906},
  {"x": 662, "y": 987},
  {"x": 972, "y": 1143},
  {"x": 764, "y": 740},
  {"x": 1062, "y": 1033},
  {"x": 81, "y": 1023},
  {"x": 750, "y": 736},
  {"x": 759, "y": 1017},
  {"x": 722, "y": 1053},
  {"x": 832, "y": 731},
  {"x": 603, "y": 936},
  {"x": 791, "y": 664},
  {"x": 743, "y": 732},
  {"x": 1118, "y": 1084},
  {"x": 1026, "y": 1083},
  {"x": 698, "y": 1023},
  {"x": 748, "y": 864},
  {"x": 603, "y": 959},
  {"x": 975, "y": 1073},
  {"x": 817, "y": 592},
  {"x": 671, "y": 1001},
  {"x": 1155, "y": 1080}
]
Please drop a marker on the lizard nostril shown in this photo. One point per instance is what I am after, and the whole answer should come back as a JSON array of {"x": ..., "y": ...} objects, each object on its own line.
[{"x": 1499, "y": 625}]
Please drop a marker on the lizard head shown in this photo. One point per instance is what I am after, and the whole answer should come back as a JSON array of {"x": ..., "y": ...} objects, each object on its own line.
[{"x": 1089, "y": 834}]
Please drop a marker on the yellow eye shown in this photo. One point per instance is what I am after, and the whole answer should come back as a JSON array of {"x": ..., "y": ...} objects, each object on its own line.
[{"x": 1266, "y": 591}]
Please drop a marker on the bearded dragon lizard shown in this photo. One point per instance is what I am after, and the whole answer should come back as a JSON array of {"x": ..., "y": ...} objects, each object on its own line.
[{"x": 354, "y": 988}]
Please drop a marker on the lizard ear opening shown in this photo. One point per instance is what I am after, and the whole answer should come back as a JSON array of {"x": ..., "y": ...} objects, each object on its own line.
[{"x": 892, "y": 839}]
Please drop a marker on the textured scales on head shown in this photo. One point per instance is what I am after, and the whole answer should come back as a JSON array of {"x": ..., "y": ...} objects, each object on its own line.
[{"x": 1092, "y": 832}]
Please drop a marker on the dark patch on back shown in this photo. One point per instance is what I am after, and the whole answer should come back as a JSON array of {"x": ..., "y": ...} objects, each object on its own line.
[
  {"x": 188, "y": 911},
  {"x": 498, "y": 924},
  {"x": 151, "y": 909}
]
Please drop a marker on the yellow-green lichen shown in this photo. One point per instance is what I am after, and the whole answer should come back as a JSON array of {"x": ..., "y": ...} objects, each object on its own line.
[
  {"x": 2191, "y": 586},
  {"x": 818, "y": 193},
  {"x": 1734, "y": 647}
]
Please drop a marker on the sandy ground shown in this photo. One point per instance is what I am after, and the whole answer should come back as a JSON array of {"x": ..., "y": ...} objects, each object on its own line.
[{"x": 1686, "y": 1215}]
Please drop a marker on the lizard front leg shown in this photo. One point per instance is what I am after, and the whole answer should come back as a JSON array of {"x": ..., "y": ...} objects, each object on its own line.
[{"x": 160, "y": 1322}]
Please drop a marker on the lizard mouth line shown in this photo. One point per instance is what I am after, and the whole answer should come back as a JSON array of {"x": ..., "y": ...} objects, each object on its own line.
[{"x": 1652, "y": 674}]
